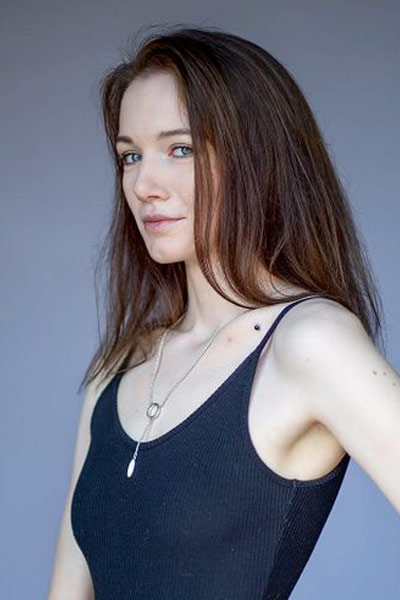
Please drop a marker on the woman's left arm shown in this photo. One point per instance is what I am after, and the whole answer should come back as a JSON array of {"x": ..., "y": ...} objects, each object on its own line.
[{"x": 351, "y": 389}]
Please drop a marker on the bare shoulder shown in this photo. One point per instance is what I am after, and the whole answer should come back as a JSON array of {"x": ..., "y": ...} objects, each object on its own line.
[
  {"x": 95, "y": 388},
  {"x": 70, "y": 576},
  {"x": 300, "y": 444},
  {"x": 317, "y": 327},
  {"x": 324, "y": 351},
  {"x": 92, "y": 393},
  {"x": 347, "y": 385}
]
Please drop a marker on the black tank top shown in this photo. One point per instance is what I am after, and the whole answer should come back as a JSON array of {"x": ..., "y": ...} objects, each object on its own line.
[{"x": 202, "y": 517}]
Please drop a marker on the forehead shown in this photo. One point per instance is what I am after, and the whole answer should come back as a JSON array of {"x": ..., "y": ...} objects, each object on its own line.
[{"x": 151, "y": 101}]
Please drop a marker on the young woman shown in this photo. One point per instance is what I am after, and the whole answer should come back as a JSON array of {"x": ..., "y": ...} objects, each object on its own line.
[{"x": 239, "y": 370}]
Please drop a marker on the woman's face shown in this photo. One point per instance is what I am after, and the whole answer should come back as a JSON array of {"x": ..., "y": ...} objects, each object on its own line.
[{"x": 158, "y": 166}]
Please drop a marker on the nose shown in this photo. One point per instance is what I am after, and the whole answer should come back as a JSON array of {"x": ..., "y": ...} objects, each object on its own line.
[{"x": 148, "y": 179}]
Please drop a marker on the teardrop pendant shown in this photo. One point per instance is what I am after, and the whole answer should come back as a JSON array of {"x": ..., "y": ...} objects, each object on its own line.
[{"x": 131, "y": 467}]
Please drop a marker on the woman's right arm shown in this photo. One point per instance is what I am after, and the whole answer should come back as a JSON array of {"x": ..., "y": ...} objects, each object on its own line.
[{"x": 71, "y": 578}]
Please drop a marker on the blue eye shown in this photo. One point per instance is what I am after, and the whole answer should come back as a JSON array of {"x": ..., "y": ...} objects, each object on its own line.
[
  {"x": 124, "y": 161},
  {"x": 187, "y": 148},
  {"x": 124, "y": 156}
]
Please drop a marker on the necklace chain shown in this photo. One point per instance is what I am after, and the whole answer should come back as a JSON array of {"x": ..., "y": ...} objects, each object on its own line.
[{"x": 154, "y": 408}]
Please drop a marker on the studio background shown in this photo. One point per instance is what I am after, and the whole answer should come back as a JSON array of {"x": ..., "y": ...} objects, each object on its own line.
[{"x": 55, "y": 206}]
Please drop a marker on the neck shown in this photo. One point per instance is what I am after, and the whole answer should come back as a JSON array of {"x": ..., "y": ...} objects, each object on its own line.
[{"x": 207, "y": 310}]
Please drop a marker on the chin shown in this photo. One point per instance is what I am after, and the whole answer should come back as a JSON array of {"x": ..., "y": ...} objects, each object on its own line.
[
  {"x": 170, "y": 250},
  {"x": 166, "y": 258}
]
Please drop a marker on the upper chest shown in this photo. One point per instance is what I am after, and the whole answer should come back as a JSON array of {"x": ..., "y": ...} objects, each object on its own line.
[{"x": 281, "y": 429}]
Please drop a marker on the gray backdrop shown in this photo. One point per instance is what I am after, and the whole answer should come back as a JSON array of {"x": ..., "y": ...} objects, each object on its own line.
[{"x": 55, "y": 205}]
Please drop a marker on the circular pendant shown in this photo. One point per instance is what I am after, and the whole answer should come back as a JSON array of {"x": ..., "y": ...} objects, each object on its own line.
[{"x": 153, "y": 410}]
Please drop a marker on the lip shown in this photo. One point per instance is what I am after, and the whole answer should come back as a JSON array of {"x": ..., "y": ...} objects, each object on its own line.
[
  {"x": 161, "y": 225},
  {"x": 158, "y": 217}
]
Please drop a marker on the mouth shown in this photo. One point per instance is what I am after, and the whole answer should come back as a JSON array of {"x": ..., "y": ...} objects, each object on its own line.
[{"x": 161, "y": 225}]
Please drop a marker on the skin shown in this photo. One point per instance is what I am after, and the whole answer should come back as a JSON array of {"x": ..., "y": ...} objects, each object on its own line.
[
  {"x": 159, "y": 177},
  {"x": 324, "y": 388},
  {"x": 347, "y": 394}
]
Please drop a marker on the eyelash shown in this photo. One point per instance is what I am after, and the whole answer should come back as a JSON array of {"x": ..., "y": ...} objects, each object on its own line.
[{"x": 122, "y": 156}]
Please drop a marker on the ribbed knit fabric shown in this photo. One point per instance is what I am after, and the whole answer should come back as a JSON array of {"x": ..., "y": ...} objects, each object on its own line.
[{"x": 202, "y": 517}]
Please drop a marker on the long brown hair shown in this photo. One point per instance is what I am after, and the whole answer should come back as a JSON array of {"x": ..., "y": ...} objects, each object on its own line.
[{"x": 280, "y": 202}]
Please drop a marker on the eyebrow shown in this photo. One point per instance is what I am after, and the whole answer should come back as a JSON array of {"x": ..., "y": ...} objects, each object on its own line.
[{"x": 159, "y": 136}]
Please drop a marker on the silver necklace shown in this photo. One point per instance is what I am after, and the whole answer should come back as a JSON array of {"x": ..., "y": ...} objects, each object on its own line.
[{"x": 154, "y": 408}]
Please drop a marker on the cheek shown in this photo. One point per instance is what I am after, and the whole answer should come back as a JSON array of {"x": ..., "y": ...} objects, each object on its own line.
[
  {"x": 129, "y": 197},
  {"x": 125, "y": 187}
]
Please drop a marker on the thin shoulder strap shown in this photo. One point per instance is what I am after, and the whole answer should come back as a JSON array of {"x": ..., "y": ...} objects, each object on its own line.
[{"x": 275, "y": 323}]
